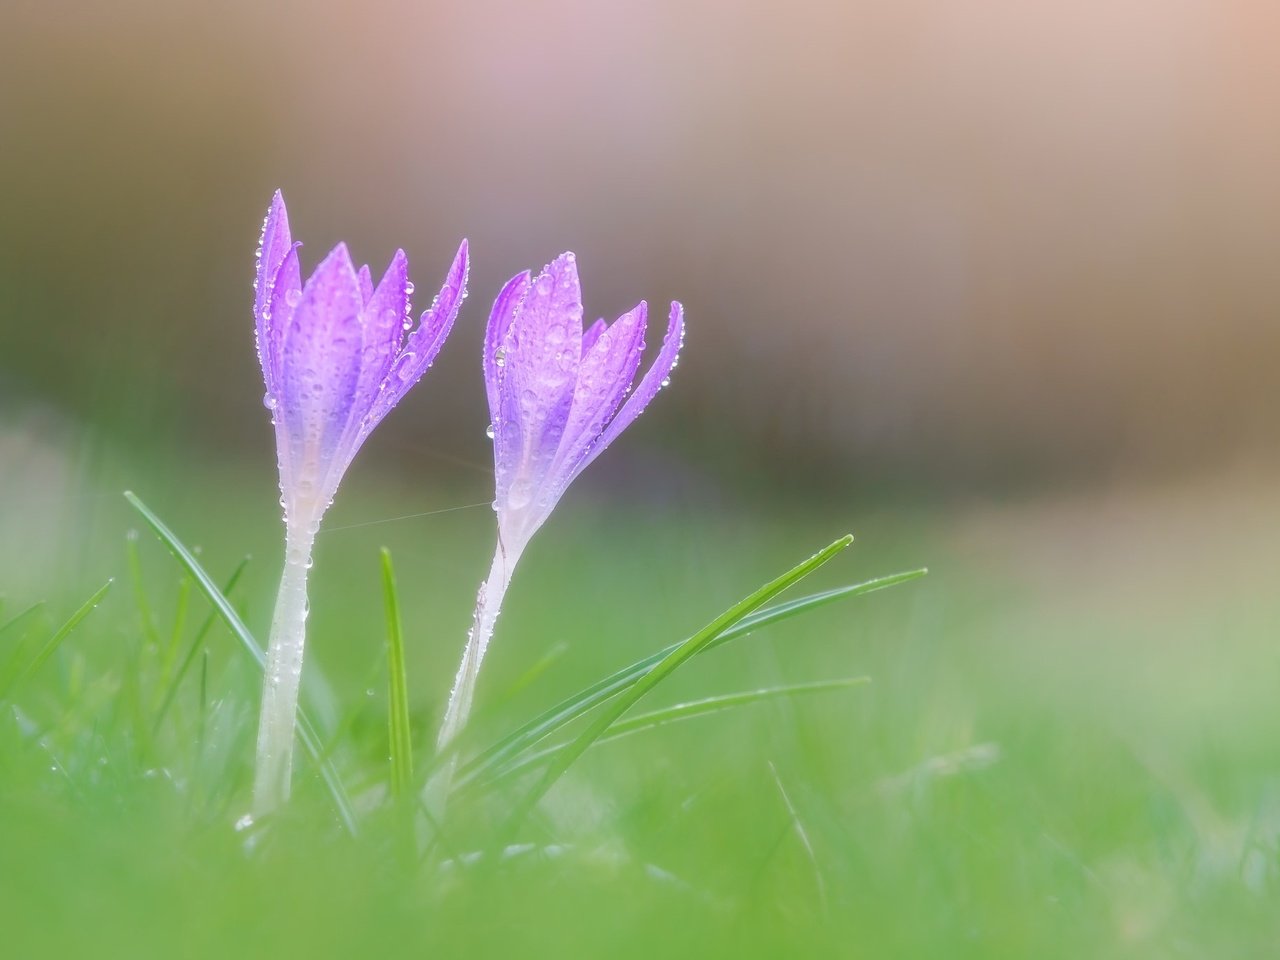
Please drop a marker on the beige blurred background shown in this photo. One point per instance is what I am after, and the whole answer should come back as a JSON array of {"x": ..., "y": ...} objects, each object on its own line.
[{"x": 941, "y": 245}]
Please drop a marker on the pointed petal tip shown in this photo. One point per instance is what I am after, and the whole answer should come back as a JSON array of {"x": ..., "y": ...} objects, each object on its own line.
[
  {"x": 277, "y": 215},
  {"x": 462, "y": 263},
  {"x": 675, "y": 325},
  {"x": 566, "y": 263},
  {"x": 340, "y": 255}
]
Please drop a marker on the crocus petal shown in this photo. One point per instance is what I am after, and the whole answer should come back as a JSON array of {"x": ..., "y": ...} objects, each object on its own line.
[
  {"x": 273, "y": 246},
  {"x": 500, "y": 317},
  {"x": 421, "y": 347},
  {"x": 504, "y": 411},
  {"x": 543, "y": 348},
  {"x": 366, "y": 283},
  {"x": 654, "y": 380},
  {"x": 320, "y": 370},
  {"x": 381, "y": 329},
  {"x": 386, "y": 311},
  {"x": 592, "y": 334},
  {"x": 286, "y": 289},
  {"x": 605, "y": 376}
]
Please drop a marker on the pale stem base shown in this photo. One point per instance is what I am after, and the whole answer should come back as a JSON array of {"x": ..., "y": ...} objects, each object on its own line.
[
  {"x": 282, "y": 679},
  {"x": 488, "y": 605}
]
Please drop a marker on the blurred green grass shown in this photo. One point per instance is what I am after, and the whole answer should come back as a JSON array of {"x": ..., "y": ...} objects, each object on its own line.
[{"x": 1068, "y": 747}]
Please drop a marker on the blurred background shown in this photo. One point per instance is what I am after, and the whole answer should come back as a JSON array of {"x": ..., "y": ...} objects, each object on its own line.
[
  {"x": 925, "y": 246},
  {"x": 991, "y": 284}
]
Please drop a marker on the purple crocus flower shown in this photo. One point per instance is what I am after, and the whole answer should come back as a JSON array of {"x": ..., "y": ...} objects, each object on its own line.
[
  {"x": 337, "y": 354},
  {"x": 558, "y": 396}
]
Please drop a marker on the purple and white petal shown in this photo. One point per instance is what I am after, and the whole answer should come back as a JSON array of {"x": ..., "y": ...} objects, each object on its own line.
[
  {"x": 500, "y": 317},
  {"x": 604, "y": 379},
  {"x": 382, "y": 322},
  {"x": 424, "y": 343},
  {"x": 273, "y": 246},
  {"x": 543, "y": 348},
  {"x": 592, "y": 334},
  {"x": 366, "y": 282},
  {"x": 657, "y": 377},
  {"x": 286, "y": 290},
  {"x": 504, "y": 410},
  {"x": 320, "y": 370}
]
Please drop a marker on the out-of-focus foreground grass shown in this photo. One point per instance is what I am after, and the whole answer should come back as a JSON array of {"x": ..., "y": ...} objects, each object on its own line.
[{"x": 1068, "y": 748}]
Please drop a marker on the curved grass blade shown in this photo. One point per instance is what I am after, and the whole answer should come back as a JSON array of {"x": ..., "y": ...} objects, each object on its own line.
[
  {"x": 399, "y": 734},
  {"x": 663, "y": 669},
  {"x": 306, "y": 730},
  {"x": 52, "y": 644},
  {"x": 675, "y": 714},
  {"x": 194, "y": 649},
  {"x": 176, "y": 631},
  {"x": 583, "y": 702},
  {"x": 140, "y": 597},
  {"x": 19, "y": 617}
]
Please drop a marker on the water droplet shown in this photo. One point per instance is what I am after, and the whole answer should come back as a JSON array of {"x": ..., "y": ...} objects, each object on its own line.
[
  {"x": 408, "y": 288},
  {"x": 244, "y": 823},
  {"x": 666, "y": 382},
  {"x": 293, "y": 296},
  {"x": 270, "y": 402},
  {"x": 489, "y": 431},
  {"x": 500, "y": 358}
]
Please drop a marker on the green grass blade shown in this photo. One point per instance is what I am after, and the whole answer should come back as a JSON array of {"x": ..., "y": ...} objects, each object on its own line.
[
  {"x": 400, "y": 736},
  {"x": 194, "y": 649},
  {"x": 679, "y": 712},
  {"x": 140, "y": 598},
  {"x": 59, "y": 635},
  {"x": 664, "y": 668},
  {"x": 306, "y": 730},
  {"x": 19, "y": 617},
  {"x": 583, "y": 702},
  {"x": 176, "y": 631},
  {"x": 534, "y": 673}
]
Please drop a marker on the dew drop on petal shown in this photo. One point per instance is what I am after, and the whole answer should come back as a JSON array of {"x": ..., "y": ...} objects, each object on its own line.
[
  {"x": 292, "y": 297},
  {"x": 489, "y": 431}
]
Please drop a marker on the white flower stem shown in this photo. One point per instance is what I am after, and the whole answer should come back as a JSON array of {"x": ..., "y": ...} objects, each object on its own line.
[
  {"x": 488, "y": 605},
  {"x": 283, "y": 677}
]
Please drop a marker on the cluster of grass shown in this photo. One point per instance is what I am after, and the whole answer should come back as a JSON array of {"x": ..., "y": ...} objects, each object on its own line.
[{"x": 984, "y": 795}]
